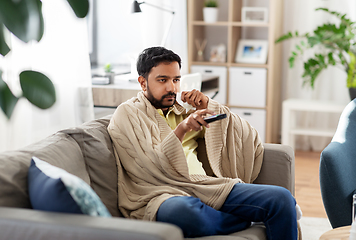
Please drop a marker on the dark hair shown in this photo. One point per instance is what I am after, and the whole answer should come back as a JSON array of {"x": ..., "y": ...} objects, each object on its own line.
[{"x": 151, "y": 57}]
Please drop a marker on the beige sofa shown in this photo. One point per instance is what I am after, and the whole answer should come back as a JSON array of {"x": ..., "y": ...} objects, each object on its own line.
[{"x": 87, "y": 152}]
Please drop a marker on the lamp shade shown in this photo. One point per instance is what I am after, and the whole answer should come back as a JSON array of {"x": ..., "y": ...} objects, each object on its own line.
[{"x": 135, "y": 7}]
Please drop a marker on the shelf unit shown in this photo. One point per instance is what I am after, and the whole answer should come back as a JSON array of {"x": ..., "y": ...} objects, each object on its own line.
[
  {"x": 228, "y": 30},
  {"x": 290, "y": 109}
]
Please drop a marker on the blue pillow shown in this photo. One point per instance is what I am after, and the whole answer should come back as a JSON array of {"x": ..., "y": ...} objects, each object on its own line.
[{"x": 54, "y": 189}]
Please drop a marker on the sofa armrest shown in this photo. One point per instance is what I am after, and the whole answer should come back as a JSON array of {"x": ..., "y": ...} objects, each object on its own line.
[
  {"x": 278, "y": 166},
  {"x": 18, "y": 223}
]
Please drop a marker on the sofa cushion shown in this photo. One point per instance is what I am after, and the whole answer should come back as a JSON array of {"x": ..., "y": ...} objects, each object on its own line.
[
  {"x": 98, "y": 154},
  {"x": 54, "y": 189},
  {"x": 58, "y": 149}
]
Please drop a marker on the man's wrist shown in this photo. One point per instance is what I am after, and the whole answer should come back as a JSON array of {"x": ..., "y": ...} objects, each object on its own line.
[{"x": 179, "y": 132}]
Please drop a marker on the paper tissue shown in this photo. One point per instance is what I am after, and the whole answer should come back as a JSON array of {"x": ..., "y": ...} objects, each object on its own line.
[{"x": 188, "y": 82}]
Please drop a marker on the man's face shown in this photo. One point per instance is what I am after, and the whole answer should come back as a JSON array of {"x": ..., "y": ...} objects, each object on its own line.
[{"x": 162, "y": 84}]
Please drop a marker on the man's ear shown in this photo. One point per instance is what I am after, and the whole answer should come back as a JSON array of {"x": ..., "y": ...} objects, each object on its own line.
[{"x": 143, "y": 83}]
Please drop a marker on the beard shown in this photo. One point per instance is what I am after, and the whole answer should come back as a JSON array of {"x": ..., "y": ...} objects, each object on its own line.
[{"x": 158, "y": 103}]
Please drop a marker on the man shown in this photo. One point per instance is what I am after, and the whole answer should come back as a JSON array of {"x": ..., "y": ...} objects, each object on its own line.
[{"x": 160, "y": 175}]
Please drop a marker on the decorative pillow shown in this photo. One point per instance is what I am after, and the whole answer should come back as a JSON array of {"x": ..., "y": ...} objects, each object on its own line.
[{"x": 54, "y": 189}]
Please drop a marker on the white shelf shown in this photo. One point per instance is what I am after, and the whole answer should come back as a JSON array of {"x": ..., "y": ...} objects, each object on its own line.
[
  {"x": 291, "y": 106},
  {"x": 228, "y": 30},
  {"x": 313, "y": 132}
]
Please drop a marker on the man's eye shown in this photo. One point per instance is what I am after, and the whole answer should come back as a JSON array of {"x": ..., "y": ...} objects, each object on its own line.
[
  {"x": 176, "y": 80},
  {"x": 161, "y": 80}
]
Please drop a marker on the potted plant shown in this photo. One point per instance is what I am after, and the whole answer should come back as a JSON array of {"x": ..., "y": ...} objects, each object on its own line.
[
  {"x": 109, "y": 73},
  {"x": 336, "y": 47},
  {"x": 210, "y": 11}
]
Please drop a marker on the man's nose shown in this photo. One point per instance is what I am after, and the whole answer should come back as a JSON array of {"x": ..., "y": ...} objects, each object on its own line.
[{"x": 170, "y": 87}]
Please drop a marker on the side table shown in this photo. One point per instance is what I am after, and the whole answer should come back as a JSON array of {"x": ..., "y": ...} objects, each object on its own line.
[
  {"x": 341, "y": 233},
  {"x": 291, "y": 106}
]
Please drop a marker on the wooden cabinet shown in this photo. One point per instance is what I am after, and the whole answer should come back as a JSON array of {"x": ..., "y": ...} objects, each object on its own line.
[{"x": 228, "y": 30}]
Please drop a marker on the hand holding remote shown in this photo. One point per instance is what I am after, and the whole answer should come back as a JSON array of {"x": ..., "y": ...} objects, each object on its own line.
[{"x": 215, "y": 118}]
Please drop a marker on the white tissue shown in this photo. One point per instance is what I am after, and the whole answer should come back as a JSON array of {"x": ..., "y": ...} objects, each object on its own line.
[{"x": 187, "y": 106}]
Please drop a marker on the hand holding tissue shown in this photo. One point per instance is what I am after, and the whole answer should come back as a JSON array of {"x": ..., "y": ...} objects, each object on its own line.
[{"x": 190, "y": 85}]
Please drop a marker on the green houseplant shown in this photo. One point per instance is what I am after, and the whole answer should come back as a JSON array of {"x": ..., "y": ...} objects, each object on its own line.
[
  {"x": 210, "y": 11},
  {"x": 211, "y": 3},
  {"x": 24, "y": 19},
  {"x": 336, "y": 47}
]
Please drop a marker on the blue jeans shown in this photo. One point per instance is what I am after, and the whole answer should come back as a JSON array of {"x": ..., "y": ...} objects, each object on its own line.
[{"x": 246, "y": 203}]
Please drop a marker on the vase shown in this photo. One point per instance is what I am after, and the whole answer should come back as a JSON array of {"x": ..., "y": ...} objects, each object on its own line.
[
  {"x": 352, "y": 92},
  {"x": 210, "y": 14},
  {"x": 111, "y": 76}
]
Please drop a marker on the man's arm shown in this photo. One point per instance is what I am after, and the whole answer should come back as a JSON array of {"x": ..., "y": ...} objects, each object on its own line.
[{"x": 195, "y": 120}]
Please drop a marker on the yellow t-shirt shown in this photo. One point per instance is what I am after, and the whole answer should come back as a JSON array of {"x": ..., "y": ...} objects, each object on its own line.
[{"x": 189, "y": 142}]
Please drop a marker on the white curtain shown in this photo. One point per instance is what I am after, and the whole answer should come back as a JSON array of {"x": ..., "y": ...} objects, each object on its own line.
[
  {"x": 63, "y": 56},
  {"x": 331, "y": 84}
]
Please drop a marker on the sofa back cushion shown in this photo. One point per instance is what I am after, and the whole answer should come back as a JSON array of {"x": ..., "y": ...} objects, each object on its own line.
[
  {"x": 96, "y": 146},
  {"x": 60, "y": 150}
]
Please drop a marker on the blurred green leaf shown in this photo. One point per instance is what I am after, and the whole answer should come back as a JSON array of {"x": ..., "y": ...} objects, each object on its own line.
[
  {"x": 23, "y": 18},
  {"x": 331, "y": 59},
  {"x": 291, "y": 61},
  {"x": 4, "y": 48},
  {"x": 332, "y": 44},
  {"x": 351, "y": 73},
  {"x": 284, "y": 37},
  {"x": 7, "y": 99},
  {"x": 80, "y": 7},
  {"x": 108, "y": 68},
  {"x": 38, "y": 89}
]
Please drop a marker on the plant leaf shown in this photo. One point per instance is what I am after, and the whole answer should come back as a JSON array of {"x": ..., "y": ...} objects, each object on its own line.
[
  {"x": 38, "y": 89},
  {"x": 7, "y": 99},
  {"x": 291, "y": 61},
  {"x": 4, "y": 48},
  {"x": 80, "y": 7},
  {"x": 351, "y": 73},
  {"x": 23, "y": 18},
  {"x": 331, "y": 59},
  {"x": 284, "y": 37}
]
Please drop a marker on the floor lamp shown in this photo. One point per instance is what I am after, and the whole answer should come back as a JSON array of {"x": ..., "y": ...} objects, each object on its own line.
[{"x": 137, "y": 9}]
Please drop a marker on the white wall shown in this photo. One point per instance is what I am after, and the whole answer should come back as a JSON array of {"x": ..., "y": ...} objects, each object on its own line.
[{"x": 122, "y": 34}]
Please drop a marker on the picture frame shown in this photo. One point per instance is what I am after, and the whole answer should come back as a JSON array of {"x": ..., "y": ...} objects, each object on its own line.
[
  {"x": 218, "y": 53},
  {"x": 251, "y": 51},
  {"x": 254, "y": 14}
]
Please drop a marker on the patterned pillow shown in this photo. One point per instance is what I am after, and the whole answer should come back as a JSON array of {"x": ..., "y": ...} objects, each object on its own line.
[{"x": 54, "y": 189}]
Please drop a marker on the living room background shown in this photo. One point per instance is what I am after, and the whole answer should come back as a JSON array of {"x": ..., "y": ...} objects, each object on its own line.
[
  {"x": 121, "y": 35},
  {"x": 331, "y": 84}
]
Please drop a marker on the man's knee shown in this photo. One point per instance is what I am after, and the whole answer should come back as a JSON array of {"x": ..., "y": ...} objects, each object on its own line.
[
  {"x": 187, "y": 213},
  {"x": 284, "y": 198},
  {"x": 178, "y": 207}
]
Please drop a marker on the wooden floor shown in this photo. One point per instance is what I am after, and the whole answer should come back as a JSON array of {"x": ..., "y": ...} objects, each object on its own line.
[{"x": 307, "y": 188}]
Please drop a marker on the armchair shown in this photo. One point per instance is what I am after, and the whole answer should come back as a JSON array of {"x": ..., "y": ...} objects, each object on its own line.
[{"x": 338, "y": 169}]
